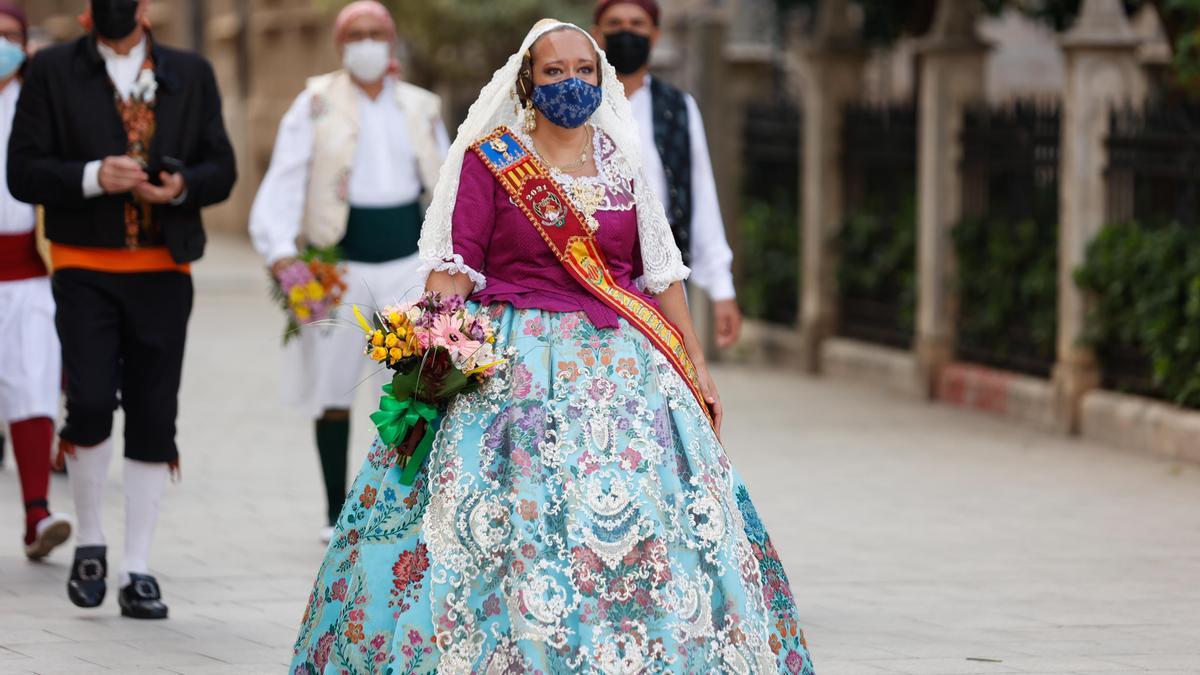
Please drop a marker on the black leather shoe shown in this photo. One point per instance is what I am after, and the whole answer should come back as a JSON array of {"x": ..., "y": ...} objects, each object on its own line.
[
  {"x": 86, "y": 587},
  {"x": 141, "y": 599}
]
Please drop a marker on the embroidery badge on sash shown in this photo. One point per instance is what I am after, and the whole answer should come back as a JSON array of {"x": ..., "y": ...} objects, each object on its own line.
[{"x": 547, "y": 207}]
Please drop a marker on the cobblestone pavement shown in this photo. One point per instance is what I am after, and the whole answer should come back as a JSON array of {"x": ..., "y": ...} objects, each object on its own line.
[{"x": 919, "y": 539}]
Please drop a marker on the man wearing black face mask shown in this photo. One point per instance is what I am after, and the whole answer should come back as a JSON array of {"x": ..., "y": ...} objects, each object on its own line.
[
  {"x": 675, "y": 154},
  {"x": 122, "y": 141}
]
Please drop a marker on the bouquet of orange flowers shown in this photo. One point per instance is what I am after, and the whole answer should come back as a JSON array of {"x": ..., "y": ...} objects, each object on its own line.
[
  {"x": 309, "y": 289},
  {"x": 438, "y": 350}
]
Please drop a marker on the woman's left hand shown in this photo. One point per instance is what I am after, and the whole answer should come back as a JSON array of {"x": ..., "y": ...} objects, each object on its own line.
[{"x": 713, "y": 399}]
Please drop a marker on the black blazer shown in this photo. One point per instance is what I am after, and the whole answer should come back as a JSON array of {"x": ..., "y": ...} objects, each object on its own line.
[{"x": 66, "y": 117}]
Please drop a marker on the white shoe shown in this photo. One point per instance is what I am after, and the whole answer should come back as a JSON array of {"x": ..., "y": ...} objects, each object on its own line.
[
  {"x": 52, "y": 531},
  {"x": 326, "y": 534}
]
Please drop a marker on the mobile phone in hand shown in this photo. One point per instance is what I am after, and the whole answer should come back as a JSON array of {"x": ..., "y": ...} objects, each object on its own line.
[{"x": 172, "y": 165}]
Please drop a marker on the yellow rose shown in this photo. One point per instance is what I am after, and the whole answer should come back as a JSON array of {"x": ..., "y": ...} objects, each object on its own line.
[
  {"x": 315, "y": 290},
  {"x": 377, "y": 338},
  {"x": 296, "y": 295},
  {"x": 302, "y": 312},
  {"x": 396, "y": 354},
  {"x": 391, "y": 340},
  {"x": 378, "y": 354}
]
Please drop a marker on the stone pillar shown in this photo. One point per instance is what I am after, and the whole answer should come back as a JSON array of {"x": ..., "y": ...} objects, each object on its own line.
[
  {"x": 225, "y": 36},
  {"x": 951, "y": 76},
  {"x": 830, "y": 70},
  {"x": 704, "y": 76},
  {"x": 1102, "y": 71}
]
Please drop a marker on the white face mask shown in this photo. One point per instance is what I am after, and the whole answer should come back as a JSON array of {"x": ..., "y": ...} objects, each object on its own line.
[{"x": 367, "y": 60}]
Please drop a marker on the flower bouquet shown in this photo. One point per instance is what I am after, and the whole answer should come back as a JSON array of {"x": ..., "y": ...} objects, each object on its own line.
[
  {"x": 438, "y": 350},
  {"x": 309, "y": 289}
]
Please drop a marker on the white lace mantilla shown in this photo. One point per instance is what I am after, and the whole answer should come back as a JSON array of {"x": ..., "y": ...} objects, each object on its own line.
[{"x": 496, "y": 106}]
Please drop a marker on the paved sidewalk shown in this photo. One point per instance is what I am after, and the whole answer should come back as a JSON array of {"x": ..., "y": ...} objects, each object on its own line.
[{"x": 919, "y": 539}]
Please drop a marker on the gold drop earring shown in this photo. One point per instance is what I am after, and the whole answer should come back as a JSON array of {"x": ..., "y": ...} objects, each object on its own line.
[
  {"x": 528, "y": 118},
  {"x": 530, "y": 121}
]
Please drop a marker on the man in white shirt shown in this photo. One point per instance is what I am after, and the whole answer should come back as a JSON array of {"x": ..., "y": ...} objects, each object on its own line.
[
  {"x": 353, "y": 155},
  {"x": 675, "y": 153}
]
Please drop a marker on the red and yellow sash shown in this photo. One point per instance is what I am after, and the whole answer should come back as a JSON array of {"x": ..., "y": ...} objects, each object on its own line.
[{"x": 562, "y": 227}]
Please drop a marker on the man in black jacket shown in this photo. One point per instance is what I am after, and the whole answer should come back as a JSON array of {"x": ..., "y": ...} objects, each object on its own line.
[{"x": 122, "y": 141}]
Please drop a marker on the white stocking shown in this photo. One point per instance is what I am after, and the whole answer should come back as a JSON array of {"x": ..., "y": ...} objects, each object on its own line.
[
  {"x": 87, "y": 469},
  {"x": 144, "y": 483}
]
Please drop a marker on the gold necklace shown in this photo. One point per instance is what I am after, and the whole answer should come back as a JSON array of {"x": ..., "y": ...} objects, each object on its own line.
[{"x": 577, "y": 164}]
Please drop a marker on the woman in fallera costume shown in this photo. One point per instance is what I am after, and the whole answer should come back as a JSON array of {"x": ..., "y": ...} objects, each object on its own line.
[{"x": 578, "y": 513}]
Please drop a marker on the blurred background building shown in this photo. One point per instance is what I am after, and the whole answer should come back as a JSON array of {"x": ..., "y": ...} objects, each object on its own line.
[{"x": 989, "y": 202}]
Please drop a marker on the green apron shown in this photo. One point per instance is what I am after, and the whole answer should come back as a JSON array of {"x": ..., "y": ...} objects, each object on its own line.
[{"x": 381, "y": 234}]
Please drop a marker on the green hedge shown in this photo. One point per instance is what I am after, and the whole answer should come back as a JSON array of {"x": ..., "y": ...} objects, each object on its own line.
[
  {"x": 878, "y": 254},
  {"x": 769, "y": 286},
  {"x": 1008, "y": 292},
  {"x": 1146, "y": 288}
]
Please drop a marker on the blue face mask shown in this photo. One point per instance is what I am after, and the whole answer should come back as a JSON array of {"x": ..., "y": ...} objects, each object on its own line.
[
  {"x": 11, "y": 57},
  {"x": 568, "y": 103}
]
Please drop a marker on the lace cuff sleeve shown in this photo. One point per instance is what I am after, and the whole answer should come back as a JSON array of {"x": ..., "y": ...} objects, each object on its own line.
[
  {"x": 662, "y": 263},
  {"x": 453, "y": 263}
]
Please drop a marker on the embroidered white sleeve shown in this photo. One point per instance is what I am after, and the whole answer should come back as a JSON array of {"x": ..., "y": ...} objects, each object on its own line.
[
  {"x": 662, "y": 263},
  {"x": 454, "y": 264},
  {"x": 278, "y": 208}
]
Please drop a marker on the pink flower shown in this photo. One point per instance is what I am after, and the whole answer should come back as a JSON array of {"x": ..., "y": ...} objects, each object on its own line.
[
  {"x": 339, "y": 589},
  {"x": 568, "y": 324},
  {"x": 464, "y": 350},
  {"x": 378, "y": 641},
  {"x": 356, "y": 615},
  {"x": 633, "y": 457},
  {"x": 589, "y": 463},
  {"x": 321, "y": 653},
  {"x": 414, "y": 637},
  {"x": 521, "y": 458},
  {"x": 534, "y": 327},
  {"x": 522, "y": 381},
  {"x": 446, "y": 331}
]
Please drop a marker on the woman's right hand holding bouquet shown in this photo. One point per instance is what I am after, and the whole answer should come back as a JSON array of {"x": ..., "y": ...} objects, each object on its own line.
[{"x": 438, "y": 349}]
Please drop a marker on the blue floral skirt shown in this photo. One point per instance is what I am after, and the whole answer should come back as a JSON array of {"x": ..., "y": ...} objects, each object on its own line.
[{"x": 577, "y": 514}]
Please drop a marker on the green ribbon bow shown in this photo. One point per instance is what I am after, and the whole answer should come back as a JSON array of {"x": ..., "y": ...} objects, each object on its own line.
[{"x": 396, "y": 418}]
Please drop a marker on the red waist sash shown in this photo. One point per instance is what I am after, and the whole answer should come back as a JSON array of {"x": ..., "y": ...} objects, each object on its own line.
[{"x": 19, "y": 257}]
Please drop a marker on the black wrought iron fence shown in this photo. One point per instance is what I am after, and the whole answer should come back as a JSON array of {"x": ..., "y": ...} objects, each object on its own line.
[
  {"x": 769, "y": 228},
  {"x": 877, "y": 241},
  {"x": 1007, "y": 243},
  {"x": 1153, "y": 176},
  {"x": 1154, "y": 164}
]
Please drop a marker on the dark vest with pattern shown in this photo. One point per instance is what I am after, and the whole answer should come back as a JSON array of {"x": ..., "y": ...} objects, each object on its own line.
[{"x": 671, "y": 138}]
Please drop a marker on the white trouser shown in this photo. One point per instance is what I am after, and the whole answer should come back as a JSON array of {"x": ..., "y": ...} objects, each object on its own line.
[{"x": 30, "y": 356}]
